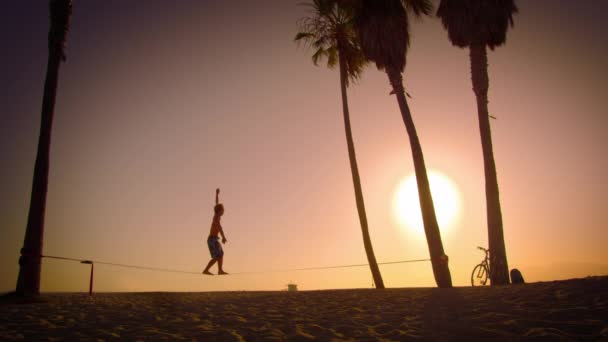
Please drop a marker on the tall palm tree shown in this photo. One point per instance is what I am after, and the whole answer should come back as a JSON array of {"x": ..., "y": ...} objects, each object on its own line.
[
  {"x": 329, "y": 30},
  {"x": 28, "y": 283},
  {"x": 476, "y": 24},
  {"x": 383, "y": 30}
]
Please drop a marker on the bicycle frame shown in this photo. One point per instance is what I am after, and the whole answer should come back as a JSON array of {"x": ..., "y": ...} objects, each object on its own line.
[
  {"x": 481, "y": 271},
  {"x": 486, "y": 260}
]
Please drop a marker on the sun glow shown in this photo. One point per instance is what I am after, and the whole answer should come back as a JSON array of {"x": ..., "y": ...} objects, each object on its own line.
[{"x": 446, "y": 199}]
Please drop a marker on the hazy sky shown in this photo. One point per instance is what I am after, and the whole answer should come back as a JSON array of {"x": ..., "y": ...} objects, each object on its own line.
[{"x": 160, "y": 102}]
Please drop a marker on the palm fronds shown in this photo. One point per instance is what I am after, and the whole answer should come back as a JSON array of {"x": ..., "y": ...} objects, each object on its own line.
[
  {"x": 477, "y": 22},
  {"x": 329, "y": 31},
  {"x": 418, "y": 7},
  {"x": 383, "y": 28}
]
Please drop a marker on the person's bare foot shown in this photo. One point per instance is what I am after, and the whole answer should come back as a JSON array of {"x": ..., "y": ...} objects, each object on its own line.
[
  {"x": 208, "y": 273},
  {"x": 221, "y": 273}
]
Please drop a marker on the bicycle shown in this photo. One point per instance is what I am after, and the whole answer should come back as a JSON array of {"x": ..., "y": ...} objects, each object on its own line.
[{"x": 480, "y": 274}]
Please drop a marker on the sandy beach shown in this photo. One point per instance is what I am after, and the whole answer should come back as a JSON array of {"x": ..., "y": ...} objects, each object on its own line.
[{"x": 561, "y": 310}]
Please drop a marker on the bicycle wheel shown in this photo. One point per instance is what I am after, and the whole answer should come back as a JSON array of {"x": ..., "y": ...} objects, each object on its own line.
[{"x": 479, "y": 277}]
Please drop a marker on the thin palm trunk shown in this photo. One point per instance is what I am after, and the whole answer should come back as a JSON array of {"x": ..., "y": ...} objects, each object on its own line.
[
  {"x": 441, "y": 270},
  {"x": 499, "y": 274},
  {"x": 28, "y": 282},
  {"x": 367, "y": 243}
]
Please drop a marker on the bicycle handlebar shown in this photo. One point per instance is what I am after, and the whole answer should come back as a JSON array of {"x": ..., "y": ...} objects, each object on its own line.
[{"x": 483, "y": 249}]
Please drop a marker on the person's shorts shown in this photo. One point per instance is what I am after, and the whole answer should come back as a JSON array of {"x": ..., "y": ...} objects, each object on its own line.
[{"x": 215, "y": 248}]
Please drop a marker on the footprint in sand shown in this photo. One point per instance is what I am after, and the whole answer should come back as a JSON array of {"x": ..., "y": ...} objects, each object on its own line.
[
  {"x": 47, "y": 324},
  {"x": 550, "y": 333},
  {"x": 163, "y": 334},
  {"x": 236, "y": 335},
  {"x": 381, "y": 329},
  {"x": 276, "y": 334},
  {"x": 311, "y": 331},
  {"x": 300, "y": 332},
  {"x": 106, "y": 332},
  {"x": 206, "y": 326},
  {"x": 240, "y": 319}
]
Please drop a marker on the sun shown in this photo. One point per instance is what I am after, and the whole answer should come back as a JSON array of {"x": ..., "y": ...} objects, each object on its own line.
[{"x": 446, "y": 199}]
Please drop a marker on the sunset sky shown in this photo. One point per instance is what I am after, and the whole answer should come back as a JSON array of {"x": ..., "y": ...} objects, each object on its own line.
[{"x": 160, "y": 102}]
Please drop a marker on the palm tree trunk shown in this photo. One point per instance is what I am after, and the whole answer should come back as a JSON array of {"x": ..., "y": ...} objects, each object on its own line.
[
  {"x": 28, "y": 282},
  {"x": 499, "y": 270},
  {"x": 367, "y": 242},
  {"x": 439, "y": 260}
]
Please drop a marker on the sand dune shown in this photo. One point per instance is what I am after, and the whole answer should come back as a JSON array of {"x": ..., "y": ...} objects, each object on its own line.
[{"x": 562, "y": 310}]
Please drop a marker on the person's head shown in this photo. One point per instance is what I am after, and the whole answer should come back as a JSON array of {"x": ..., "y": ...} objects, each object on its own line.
[{"x": 219, "y": 209}]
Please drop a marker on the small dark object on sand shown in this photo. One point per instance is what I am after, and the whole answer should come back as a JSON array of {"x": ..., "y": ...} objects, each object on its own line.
[{"x": 516, "y": 277}]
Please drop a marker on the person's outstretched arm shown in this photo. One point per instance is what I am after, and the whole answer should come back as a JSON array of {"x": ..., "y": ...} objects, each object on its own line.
[{"x": 217, "y": 196}]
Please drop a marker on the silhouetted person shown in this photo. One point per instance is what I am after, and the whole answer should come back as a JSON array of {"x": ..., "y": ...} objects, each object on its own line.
[
  {"x": 213, "y": 241},
  {"x": 517, "y": 277}
]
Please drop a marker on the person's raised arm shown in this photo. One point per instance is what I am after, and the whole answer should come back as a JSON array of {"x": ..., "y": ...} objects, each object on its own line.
[{"x": 217, "y": 196}]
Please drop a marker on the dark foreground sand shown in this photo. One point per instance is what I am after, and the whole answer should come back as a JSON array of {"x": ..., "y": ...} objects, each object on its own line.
[{"x": 562, "y": 310}]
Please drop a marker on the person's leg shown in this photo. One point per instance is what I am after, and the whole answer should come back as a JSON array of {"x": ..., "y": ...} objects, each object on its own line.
[
  {"x": 220, "y": 264},
  {"x": 211, "y": 263}
]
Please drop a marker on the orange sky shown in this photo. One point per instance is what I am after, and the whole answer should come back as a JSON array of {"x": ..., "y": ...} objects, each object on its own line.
[{"x": 159, "y": 105}]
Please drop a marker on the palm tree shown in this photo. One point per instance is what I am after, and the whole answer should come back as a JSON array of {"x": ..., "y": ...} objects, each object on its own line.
[
  {"x": 476, "y": 24},
  {"x": 329, "y": 30},
  {"x": 28, "y": 283},
  {"x": 383, "y": 30}
]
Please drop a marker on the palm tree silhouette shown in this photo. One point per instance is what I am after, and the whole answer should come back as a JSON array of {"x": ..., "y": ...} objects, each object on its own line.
[
  {"x": 28, "y": 282},
  {"x": 329, "y": 30},
  {"x": 383, "y": 30},
  {"x": 476, "y": 24}
]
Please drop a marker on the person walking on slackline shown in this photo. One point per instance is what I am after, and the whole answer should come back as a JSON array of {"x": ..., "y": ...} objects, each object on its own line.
[{"x": 213, "y": 241}]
